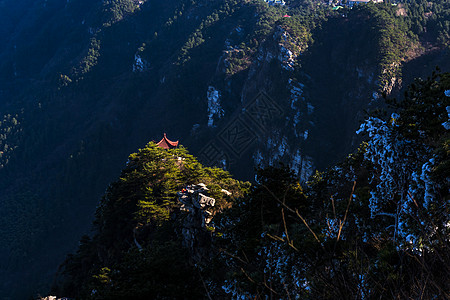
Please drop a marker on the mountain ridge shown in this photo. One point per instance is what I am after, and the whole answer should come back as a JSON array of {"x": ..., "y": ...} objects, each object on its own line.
[{"x": 80, "y": 108}]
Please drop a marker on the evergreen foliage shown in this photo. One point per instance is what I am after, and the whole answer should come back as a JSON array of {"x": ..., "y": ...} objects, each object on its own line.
[
  {"x": 137, "y": 247},
  {"x": 374, "y": 226},
  {"x": 71, "y": 107}
]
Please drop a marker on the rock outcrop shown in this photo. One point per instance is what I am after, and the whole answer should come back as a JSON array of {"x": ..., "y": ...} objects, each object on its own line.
[{"x": 196, "y": 224}]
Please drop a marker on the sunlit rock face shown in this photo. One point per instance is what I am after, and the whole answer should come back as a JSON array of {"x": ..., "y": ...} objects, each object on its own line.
[
  {"x": 215, "y": 110},
  {"x": 196, "y": 220},
  {"x": 78, "y": 93}
]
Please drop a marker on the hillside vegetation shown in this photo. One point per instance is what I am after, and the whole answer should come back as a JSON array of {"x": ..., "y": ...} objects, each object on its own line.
[
  {"x": 83, "y": 83},
  {"x": 374, "y": 226}
]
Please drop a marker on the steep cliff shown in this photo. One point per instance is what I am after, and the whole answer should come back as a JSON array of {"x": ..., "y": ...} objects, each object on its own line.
[
  {"x": 167, "y": 228},
  {"x": 241, "y": 83}
]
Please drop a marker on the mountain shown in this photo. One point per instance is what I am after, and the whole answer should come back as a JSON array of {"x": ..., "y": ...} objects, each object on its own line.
[
  {"x": 140, "y": 210},
  {"x": 373, "y": 226},
  {"x": 240, "y": 83}
]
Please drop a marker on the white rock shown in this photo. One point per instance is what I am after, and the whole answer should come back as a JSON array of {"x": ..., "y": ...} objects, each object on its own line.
[{"x": 214, "y": 107}]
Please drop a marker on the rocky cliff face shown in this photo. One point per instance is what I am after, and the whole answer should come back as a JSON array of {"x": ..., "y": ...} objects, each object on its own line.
[
  {"x": 295, "y": 102},
  {"x": 237, "y": 82},
  {"x": 196, "y": 221}
]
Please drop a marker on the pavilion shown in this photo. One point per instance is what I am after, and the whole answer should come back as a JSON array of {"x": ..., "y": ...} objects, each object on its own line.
[{"x": 165, "y": 143}]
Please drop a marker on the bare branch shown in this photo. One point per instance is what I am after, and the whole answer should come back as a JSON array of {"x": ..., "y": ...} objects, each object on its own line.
[
  {"x": 233, "y": 256},
  {"x": 346, "y": 211},
  {"x": 307, "y": 226},
  {"x": 204, "y": 285},
  {"x": 293, "y": 211}
]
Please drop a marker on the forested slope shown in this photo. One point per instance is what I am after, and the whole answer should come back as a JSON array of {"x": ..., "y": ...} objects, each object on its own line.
[
  {"x": 374, "y": 226},
  {"x": 85, "y": 83}
]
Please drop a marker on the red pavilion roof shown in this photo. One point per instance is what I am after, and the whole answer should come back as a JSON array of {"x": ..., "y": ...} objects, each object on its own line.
[{"x": 165, "y": 143}]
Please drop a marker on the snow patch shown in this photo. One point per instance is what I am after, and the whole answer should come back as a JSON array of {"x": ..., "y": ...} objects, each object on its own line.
[
  {"x": 296, "y": 120},
  {"x": 277, "y": 148},
  {"x": 214, "y": 107},
  {"x": 296, "y": 91},
  {"x": 429, "y": 191},
  {"x": 302, "y": 166},
  {"x": 447, "y": 124},
  {"x": 375, "y": 96},
  {"x": 140, "y": 65},
  {"x": 223, "y": 163},
  {"x": 287, "y": 52},
  {"x": 286, "y": 57},
  {"x": 258, "y": 158},
  {"x": 269, "y": 56},
  {"x": 310, "y": 108},
  {"x": 360, "y": 72},
  {"x": 305, "y": 135}
]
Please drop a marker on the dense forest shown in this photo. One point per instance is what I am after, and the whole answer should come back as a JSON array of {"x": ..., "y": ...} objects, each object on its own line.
[
  {"x": 85, "y": 83},
  {"x": 374, "y": 226}
]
